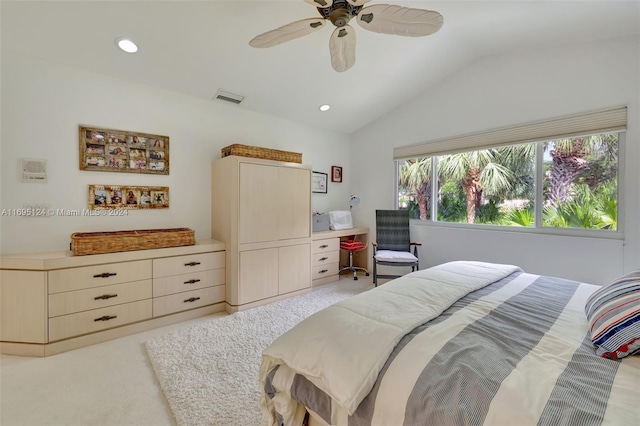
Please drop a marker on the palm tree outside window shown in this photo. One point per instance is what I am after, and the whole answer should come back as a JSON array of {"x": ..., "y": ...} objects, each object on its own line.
[{"x": 497, "y": 186}]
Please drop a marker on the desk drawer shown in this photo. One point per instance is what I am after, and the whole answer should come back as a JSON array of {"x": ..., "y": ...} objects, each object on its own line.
[
  {"x": 187, "y": 282},
  {"x": 99, "y": 297},
  {"x": 100, "y": 275},
  {"x": 187, "y": 264},
  {"x": 324, "y": 258},
  {"x": 166, "y": 305},
  {"x": 321, "y": 246},
  {"x": 323, "y": 271},
  {"x": 66, "y": 326}
]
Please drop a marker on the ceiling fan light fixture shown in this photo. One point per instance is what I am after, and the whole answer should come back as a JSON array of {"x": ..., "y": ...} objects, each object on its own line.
[
  {"x": 379, "y": 18},
  {"x": 126, "y": 45},
  {"x": 340, "y": 17},
  {"x": 325, "y": 107}
]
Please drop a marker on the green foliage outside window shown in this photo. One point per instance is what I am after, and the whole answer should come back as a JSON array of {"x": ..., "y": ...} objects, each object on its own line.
[{"x": 497, "y": 186}]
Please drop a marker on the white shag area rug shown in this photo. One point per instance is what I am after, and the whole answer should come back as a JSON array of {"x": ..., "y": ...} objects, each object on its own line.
[{"x": 209, "y": 371}]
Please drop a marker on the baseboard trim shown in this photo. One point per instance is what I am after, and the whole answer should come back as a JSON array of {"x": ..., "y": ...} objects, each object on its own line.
[{"x": 236, "y": 308}]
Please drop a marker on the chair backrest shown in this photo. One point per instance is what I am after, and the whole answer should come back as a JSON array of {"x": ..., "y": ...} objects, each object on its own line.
[{"x": 392, "y": 230}]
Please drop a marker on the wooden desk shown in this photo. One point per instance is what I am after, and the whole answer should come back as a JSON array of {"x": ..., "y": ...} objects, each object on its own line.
[{"x": 326, "y": 256}]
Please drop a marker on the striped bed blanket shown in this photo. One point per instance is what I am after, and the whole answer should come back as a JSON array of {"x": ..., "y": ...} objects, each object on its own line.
[{"x": 511, "y": 348}]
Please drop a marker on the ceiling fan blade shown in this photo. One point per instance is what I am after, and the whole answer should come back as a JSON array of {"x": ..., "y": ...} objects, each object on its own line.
[
  {"x": 342, "y": 46},
  {"x": 398, "y": 20},
  {"x": 320, "y": 3},
  {"x": 358, "y": 2},
  {"x": 287, "y": 32}
]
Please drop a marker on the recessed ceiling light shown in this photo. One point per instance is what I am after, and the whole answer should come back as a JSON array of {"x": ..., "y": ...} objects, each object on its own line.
[
  {"x": 126, "y": 45},
  {"x": 325, "y": 107}
]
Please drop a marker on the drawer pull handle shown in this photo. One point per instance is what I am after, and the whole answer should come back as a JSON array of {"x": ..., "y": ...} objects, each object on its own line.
[
  {"x": 106, "y": 318},
  {"x": 322, "y": 259},
  {"x": 323, "y": 271},
  {"x": 324, "y": 246},
  {"x": 105, "y": 275},
  {"x": 105, "y": 297},
  {"x": 192, "y": 281},
  {"x": 193, "y": 299},
  {"x": 192, "y": 264}
]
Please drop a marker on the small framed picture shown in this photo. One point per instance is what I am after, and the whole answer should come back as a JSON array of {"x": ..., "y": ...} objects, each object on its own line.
[
  {"x": 114, "y": 197},
  {"x": 156, "y": 165},
  {"x": 156, "y": 143},
  {"x": 132, "y": 196},
  {"x": 91, "y": 135},
  {"x": 319, "y": 182},
  {"x": 95, "y": 161},
  {"x": 156, "y": 155},
  {"x": 99, "y": 197},
  {"x": 117, "y": 139},
  {"x": 159, "y": 198},
  {"x": 336, "y": 173},
  {"x": 137, "y": 142}
]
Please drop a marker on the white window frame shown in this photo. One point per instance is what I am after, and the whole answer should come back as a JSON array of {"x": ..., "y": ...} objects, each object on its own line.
[{"x": 603, "y": 121}]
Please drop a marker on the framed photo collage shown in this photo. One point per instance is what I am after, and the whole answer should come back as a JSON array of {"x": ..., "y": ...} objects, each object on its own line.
[{"x": 121, "y": 151}]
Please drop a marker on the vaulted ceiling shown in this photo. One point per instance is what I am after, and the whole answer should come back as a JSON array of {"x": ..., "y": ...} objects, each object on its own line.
[{"x": 199, "y": 47}]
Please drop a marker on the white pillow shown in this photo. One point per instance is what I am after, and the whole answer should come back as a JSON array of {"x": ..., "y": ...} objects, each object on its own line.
[{"x": 395, "y": 256}]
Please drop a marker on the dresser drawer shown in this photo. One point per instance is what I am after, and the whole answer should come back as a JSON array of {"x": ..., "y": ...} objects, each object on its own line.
[
  {"x": 318, "y": 259},
  {"x": 187, "y": 282},
  {"x": 187, "y": 264},
  {"x": 71, "y": 325},
  {"x": 98, "y": 297},
  {"x": 166, "y": 305},
  {"x": 321, "y": 246},
  {"x": 100, "y": 275},
  {"x": 323, "y": 271}
]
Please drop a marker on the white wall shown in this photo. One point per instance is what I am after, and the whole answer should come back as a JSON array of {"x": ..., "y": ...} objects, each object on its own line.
[
  {"x": 502, "y": 91},
  {"x": 44, "y": 103}
]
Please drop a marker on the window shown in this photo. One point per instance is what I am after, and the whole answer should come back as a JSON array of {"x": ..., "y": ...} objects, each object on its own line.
[
  {"x": 414, "y": 187},
  {"x": 581, "y": 182},
  {"x": 497, "y": 186}
]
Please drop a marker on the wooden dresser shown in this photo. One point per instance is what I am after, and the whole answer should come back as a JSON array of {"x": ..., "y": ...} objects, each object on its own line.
[{"x": 52, "y": 302}]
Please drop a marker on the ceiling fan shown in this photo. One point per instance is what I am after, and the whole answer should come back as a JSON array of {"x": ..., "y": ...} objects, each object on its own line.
[{"x": 379, "y": 18}]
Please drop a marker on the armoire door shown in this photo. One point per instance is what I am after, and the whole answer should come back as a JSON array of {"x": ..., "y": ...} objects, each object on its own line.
[
  {"x": 294, "y": 200},
  {"x": 258, "y": 275},
  {"x": 259, "y": 208},
  {"x": 294, "y": 268}
]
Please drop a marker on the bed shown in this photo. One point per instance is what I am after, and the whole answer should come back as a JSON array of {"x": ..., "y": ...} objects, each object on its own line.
[{"x": 463, "y": 343}]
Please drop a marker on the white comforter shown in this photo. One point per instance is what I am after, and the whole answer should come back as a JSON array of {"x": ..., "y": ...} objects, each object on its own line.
[{"x": 333, "y": 348}]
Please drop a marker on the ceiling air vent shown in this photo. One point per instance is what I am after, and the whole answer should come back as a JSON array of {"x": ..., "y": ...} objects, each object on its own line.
[{"x": 229, "y": 97}]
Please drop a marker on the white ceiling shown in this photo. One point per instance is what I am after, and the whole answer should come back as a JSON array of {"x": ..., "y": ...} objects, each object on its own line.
[{"x": 198, "y": 47}]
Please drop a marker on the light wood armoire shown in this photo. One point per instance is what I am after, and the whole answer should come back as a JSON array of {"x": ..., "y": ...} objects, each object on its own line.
[{"x": 261, "y": 210}]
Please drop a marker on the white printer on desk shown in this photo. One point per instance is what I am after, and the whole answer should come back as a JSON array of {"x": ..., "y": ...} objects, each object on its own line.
[{"x": 340, "y": 219}]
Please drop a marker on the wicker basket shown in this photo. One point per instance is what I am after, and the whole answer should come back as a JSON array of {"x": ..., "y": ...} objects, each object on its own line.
[
  {"x": 264, "y": 153},
  {"x": 83, "y": 243}
]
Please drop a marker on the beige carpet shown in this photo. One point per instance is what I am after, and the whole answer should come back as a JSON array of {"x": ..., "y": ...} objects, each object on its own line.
[{"x": 209, "y": 371}]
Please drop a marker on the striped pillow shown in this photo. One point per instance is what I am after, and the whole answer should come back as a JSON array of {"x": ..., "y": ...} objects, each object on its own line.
[{"x": 613, "y": 312}]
